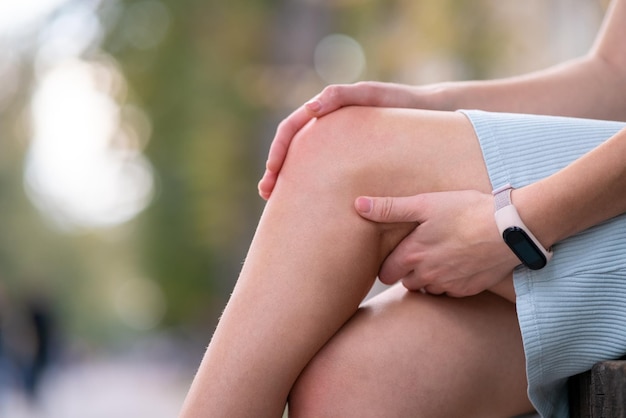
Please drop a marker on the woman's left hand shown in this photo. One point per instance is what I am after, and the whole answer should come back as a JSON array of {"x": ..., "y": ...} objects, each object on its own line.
[{"x": 456, "y": 249}]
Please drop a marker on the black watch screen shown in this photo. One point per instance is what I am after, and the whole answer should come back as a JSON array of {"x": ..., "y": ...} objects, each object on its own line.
[{"x": 524, "y": 248}]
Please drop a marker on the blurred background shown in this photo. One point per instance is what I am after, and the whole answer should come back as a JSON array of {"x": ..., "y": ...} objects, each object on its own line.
[{"x": 132, "y": 136}]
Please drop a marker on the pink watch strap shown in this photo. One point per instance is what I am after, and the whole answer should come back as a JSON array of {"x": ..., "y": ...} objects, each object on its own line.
[
  {"x": 507, "y": 216},
  {"x": 502, "y": 196}
]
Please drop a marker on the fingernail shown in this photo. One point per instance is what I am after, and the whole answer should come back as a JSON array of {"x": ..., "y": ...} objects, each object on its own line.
[
  {"x": 313, "y": 105},
  {"x": 363, "y": 204}
]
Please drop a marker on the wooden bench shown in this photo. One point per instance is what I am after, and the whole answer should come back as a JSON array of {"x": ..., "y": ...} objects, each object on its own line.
[{"x": 599, "y": 392}]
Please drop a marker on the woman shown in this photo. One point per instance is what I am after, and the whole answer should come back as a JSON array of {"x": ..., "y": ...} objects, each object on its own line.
[{"x": 504, "y": 338}]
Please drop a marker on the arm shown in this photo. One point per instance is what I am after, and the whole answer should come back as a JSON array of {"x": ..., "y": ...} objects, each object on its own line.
[
  {"x": 587, "y": 87},
  {"x": 589, "y": 191}
]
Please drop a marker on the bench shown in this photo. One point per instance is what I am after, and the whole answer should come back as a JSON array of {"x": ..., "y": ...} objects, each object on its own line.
[{"x": 599, "y": 392}]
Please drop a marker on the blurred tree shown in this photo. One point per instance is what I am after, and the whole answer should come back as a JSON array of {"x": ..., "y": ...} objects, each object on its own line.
[{"x": 201, "y": 130}]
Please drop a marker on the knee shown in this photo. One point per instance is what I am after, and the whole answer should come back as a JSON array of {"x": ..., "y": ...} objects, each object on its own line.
[
  {"x": 331, "y": 151},
  {"x": 351, "y": 152}
]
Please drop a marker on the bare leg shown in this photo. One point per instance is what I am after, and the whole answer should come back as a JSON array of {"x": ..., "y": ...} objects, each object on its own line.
[
  {"x": 313, "y": 259},
  {"x": 412, "y": 355}
]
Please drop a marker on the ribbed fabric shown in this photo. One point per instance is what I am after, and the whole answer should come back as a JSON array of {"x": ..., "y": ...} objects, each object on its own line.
[{"x": 572, "y": 313}]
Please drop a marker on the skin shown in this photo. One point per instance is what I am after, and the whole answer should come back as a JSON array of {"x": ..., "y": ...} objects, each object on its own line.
[
  {"x": 406, "y": 354},
  {"x": 296, "y": 290},
  {"x": 293, "y": 327}
]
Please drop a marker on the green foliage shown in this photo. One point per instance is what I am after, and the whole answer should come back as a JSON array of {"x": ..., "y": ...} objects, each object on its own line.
[{"x": 201, "y": 144}]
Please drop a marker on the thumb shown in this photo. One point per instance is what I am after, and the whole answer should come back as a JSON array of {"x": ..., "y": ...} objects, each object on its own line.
[{"x": 389, "y": 209}]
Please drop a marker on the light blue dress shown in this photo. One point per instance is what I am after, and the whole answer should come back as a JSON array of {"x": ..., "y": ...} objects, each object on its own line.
[{"x": 572, "y": 313}]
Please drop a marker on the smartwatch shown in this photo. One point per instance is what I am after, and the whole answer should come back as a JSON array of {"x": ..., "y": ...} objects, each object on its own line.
[{"x": 515, "y": 234}]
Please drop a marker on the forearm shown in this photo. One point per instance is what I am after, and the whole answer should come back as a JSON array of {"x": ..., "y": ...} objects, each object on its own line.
[
  {"x": 588, "y": 87},
  {"x": 587, "y": 192}
]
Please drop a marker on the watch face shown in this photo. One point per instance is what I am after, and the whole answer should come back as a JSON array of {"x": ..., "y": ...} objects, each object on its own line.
[{"x": 524, "y": 248}]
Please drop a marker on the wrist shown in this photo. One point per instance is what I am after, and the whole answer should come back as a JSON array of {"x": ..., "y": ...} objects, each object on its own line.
[
  {"x": 516, "y": 234},
  {"x": 535, "y": 207}
]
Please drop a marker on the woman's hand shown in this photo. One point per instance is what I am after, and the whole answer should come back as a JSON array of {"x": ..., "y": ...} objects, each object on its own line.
[
  {"x": 456, "y": 249},
  {"x": 333, "y": 97}
]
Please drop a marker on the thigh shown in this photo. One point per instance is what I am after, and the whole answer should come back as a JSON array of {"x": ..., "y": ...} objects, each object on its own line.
[
  {"x": 408, "y": 354},
  {"x": 388, "y": 151},
  {"x": 359, "y": 151}
]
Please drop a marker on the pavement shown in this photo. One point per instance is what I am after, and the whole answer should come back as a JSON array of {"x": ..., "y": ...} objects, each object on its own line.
[{"x": 103, "y": 388}]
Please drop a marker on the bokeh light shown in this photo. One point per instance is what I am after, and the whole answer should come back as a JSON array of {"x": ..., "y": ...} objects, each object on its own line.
[
  {"x": 74, "y": 173},
  {"x": 68, "y": 35},
  {"x": 339, "y": 59},
  {"x": 146, "y": 23},
  {"x": 19, "y": 15}
]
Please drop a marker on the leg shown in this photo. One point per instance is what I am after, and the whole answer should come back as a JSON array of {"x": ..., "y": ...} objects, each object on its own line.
[
  {"x": 412, "y": 355},
  {"x": 313, "y": 259}
]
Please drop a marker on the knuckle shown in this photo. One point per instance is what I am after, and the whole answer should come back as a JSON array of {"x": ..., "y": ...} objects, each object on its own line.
[
  {"x": 428, "y": 277},
  {"x": 284, "y": 125},
  {"x": 386, "y": 207},
  {"x": 433, "y": 290},
  {"x": 281, "y": 125},
  {"x": 332, "y": 92},
  {"x": 410, "y": 283},
  {"x": 412, "y": 258},
  {"x": 362, "y": 85}
]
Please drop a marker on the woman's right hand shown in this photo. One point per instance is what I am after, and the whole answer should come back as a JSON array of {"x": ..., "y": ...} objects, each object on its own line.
[
  {"x": 455, "y": 249},
  {"x": 333, "y": 97}
]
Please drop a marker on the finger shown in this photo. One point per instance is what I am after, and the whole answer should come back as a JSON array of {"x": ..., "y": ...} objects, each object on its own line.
[
  {"x": 338, "y": 95},
  {"x": 365, "y": 93},
  {"x": 412, "y": 281},
  {"x": 333, "y": 97},
  {"x": 285, "y": 132},
  {"x": 266, "y": 185},
  {"x": 414, "y": 284},
  {"x": 391, "y": 209},
  {"x": 330, "y": 99},
  {"x": 434, "y": 290},
  {"x": 402, "y": 262}
]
